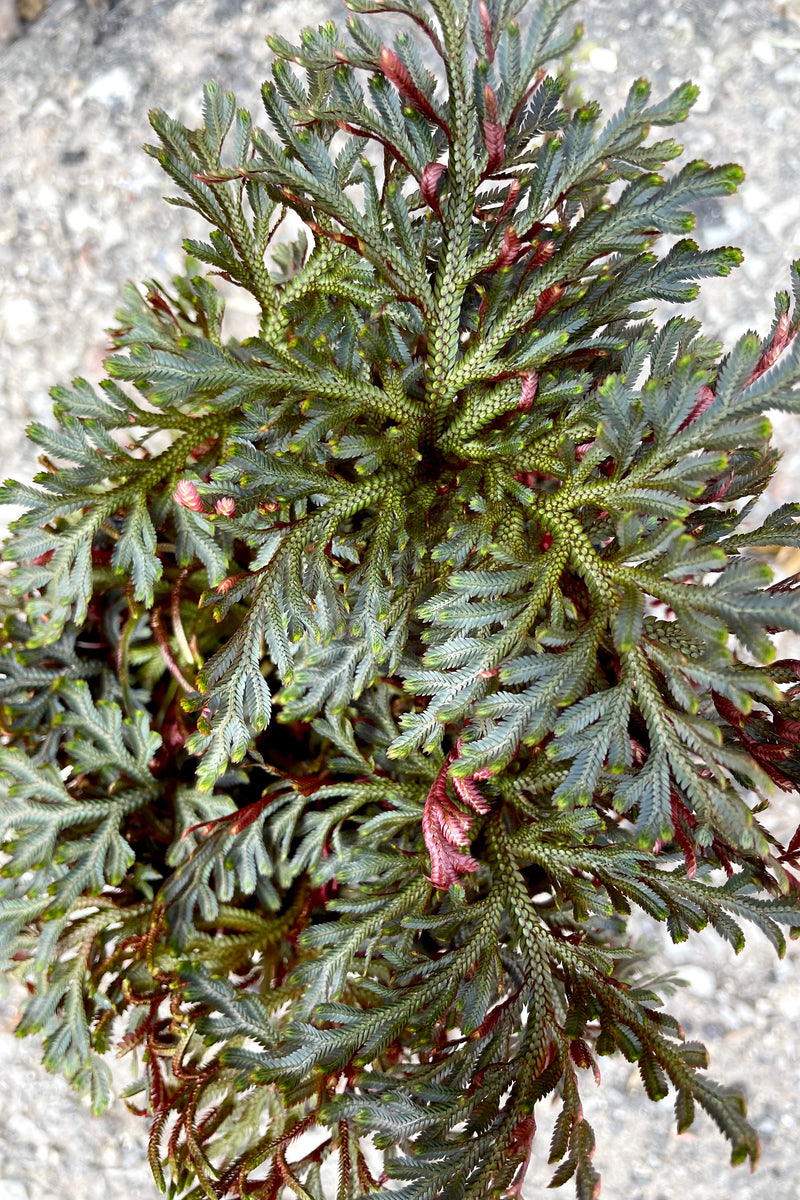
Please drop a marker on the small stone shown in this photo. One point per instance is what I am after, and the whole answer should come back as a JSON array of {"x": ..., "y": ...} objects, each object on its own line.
[
  {"x": 10, "y": 26},
  {"x": 764, "y": 51},
  {"x": 604, "y": 59},
  {"x": 754, "y": 198},
  {"x": 19, "y": 320},
  {"x": 25, "y": 1131},
  {"x": 789, "y": 74},
  {"x": 79, "y": 221},
  {"x": 13, "y": 1189},
  {"x": 789, "y": 1003},
  {"x": 70, "y": 157},
  {"x": 701, "y": 982},
  {"x": 48, "y": 107},
  {"x": 113, "y": 89},
  {"x": 778, "y": 117},
  {"x": 704, "y": 101},
  {"x": 45, "y": 197},
  {"x": 782, "y": 218},
  {"x": 113, "y": 231},
  {"x": 29, "y": 10}
]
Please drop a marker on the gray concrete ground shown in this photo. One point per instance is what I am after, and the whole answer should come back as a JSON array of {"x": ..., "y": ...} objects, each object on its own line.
[{"x": 81, "y": 211}]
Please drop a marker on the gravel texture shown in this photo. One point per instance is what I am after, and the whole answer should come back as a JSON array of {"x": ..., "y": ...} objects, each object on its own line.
[{"x": 81, "y": 211}]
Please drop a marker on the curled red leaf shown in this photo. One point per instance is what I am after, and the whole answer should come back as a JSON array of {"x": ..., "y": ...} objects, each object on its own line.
[
  {"x": 429, "y": 185},
  {"x": 509, "y": 251},
  {"x": 470, "y": 794},
  {"x": 446, "y": 827},
  {"x": 494, "y": 134},
  {"x": 547, "y": 300},
  {"x": 530, "y": 382},
  {"x": 704, "y": 399},
  {"x": 486, "y": 22},
  {"x": 187, "y": 496},
  {"x": 397, "y": 73},
  {"x": 783, "y": 335}
]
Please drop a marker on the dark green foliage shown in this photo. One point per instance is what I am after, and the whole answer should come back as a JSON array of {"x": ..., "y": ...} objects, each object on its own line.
[{"x": 366, "y": 675}]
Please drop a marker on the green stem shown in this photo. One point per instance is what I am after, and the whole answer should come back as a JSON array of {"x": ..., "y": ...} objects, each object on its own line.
[{"x": 452, "y": 276}]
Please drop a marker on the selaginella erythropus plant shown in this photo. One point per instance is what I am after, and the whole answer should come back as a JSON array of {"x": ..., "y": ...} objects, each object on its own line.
[{"x": 481, "y": 533}]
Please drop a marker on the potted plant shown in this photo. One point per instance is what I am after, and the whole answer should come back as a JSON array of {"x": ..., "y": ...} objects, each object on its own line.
[{"x": 361, "y": 677}]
